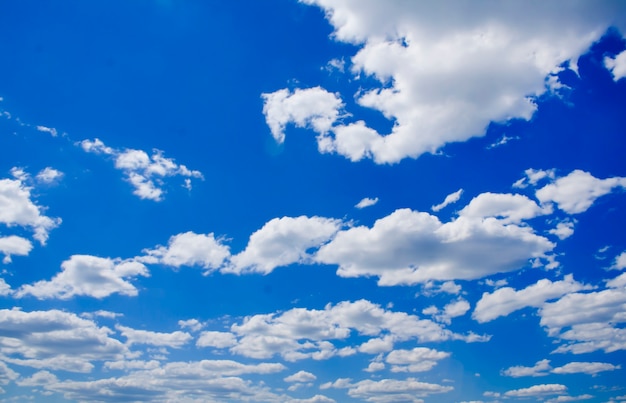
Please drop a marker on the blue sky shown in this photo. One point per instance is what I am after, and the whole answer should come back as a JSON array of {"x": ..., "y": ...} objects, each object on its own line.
[{"x": 314, "y": 201}]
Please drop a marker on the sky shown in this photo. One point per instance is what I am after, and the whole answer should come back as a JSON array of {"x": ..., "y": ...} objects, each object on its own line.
[{"x": 312, "y": 201}]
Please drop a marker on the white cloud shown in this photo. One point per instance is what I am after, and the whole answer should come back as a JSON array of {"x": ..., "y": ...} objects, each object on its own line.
[
  {"x": 55, "y": 340},
  {"x": 590, "y": 368},
  {"x": 7, "y": 374},
  {"x": 446, "y": 72},
  {"x": 50, "y": 130},
  {"x": 366, "y": 202},
  {"x": 17, "y": 208},
  {"x": 281, "y": 242},
  {"x": 563, "y": 230},
  {"x": 564, "y": 398},
  {"x": 14, "y": 245},
  {"x": 505, "y": 300},
  {"x": 395, "y": 390},
  {"x": 410, "y": 247},
  {"x": 192, "y": 324},
  {"x": 620, "y": 261},
  {"x": 190, "y": 249},
  {"x": 216, "y": 339},
  {"x": 302, "y": 333},
  {"x": 144, "y": 172},
  {"x": 419, "y": 359},
  {"x": 616, "y": 65},
  {"x": 533, "y": 176},
  {"x": 541, "y": 368},
  {"x": 451, "y": 198},
  {"x": 49, "y": 175},
  {"x": 592, "y": 320},
  {"x": 314, "y": 399},
  {"x": 452, "y": 310},
  {"x": 508, "y": 208},
  {"x": 576, "y": 192},
  {"x": 175, "y": 339},
  {"x": 538, "y": 391},
  {"x": 301, "y": 376},
  {"x": 5, "y": 289},
  {"x": 89, "y": 276},
  {"x": 206, "y": 380},
  {"x": 315, "y": 108}
]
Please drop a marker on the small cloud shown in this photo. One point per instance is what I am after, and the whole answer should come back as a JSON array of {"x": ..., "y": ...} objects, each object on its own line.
[
  {"x": 52, "y": 131},
  {"x": 501, "y": 141},
  {"x": 451, "y": 198},
  {"x": 49, "y": 175},
  {"x": 616, "y": 65},
  {"x": 366, "y": 202}
]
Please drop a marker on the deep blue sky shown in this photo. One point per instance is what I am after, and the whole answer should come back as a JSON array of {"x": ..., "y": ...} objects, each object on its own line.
[{"x": 315, "y": 201}]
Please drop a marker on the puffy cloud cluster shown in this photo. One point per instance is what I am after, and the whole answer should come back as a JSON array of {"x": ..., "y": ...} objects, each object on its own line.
[
  {"x": 17, "y": 209},
  {"x": 409, "y": 247},
  {"x": 389, "y": 390},
  {"x": 616, "y": 65},
  {"x": 543, "y": 368},
  {"x": 144, "y": 172},
  {"x": 506, "y": 300},
  {"x": 445, "y": 71},
  {"x": 89, "y": 276},
  {"x": 55, "y": 340},
  {"x": 301, "y": 333}
]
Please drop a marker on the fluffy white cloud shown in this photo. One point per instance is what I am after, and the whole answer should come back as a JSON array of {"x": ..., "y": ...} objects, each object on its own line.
[
  {"x": 216, "y": 339},
  {"x": 505, "y": 300},
  {"x": 14, "y": 245},
  {"x": 451, "y": 310},
  {"x": 419, "y": 359},
  {"x": 409, "y": 247},
  {"x": 175, "y": 339},
  {"x": 90, "y": 276},
  {"x": 281, "y": 242},
  {"x": 302, "y": 333},
  {"x": 315, "y": 108},
  {"x": 563, "y": 230},
  {"x": 565, "y": 398},
  {"x": 451, "y": 198},
  {"x": 620, "y": 261},
  {"x": 190, "y": 249},
  {"x": 533, "y": 176},
  {"x": 541, "y": 368},
  {"x": 17, "y": 208},
  {"x": 447, "y": 71},
  {"x": 206, "y": 380},
  {"x": 366, "y": 202},
  {"x": 508, "y": 208},
  {"x": 592, "y": 320},
  {"x": 55, "y": 340},
  {"x": 538, "y": 390},
  {"x": 617, "y": 65},
  {"x": 192, "y": 324},
  {"x": 591, "y": 368},
  {"x": 576, "y": 192},
  {"x": 301, "y": 376},
  {"x": 49, "y": 175},
  {"x": 144, "y": 172},
  {"x": 5, "y": 289},
  {"x": 395, "y": 390}
]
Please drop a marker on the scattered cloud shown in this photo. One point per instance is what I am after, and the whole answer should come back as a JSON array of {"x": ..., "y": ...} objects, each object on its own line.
[
  {"x": 620, "y": 261},
  {"x": 419, "y": 359},
  {"x": 175, "y": 339},
  {"x": 301, "y": 376},
  {"x": 366, "y": 202},
  {"x": 14, "y": 245},
  {"x": 144, "y": 172},
  {"x": 541, "y": 368},
  {"x": 576, "y": 192},
  {"x": 313, "y": 108},
  {"x": 506, "y": 300},
  {"x": 590, "y": 368},
  {"x": 189, "y": 249},
  {"x": 410, "y": 247},
  {"x": 18, "y": 209},
  {"x": 451, "y": 198},
  {"x": 89, "y": 276},
  {"x": 281, "y": 242},
  {"x": 616, "y": 65},
  {"x": 49, "y": 175},
  {"x": 432, "y": 75},
  {"x": 538, "y": 390}
]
